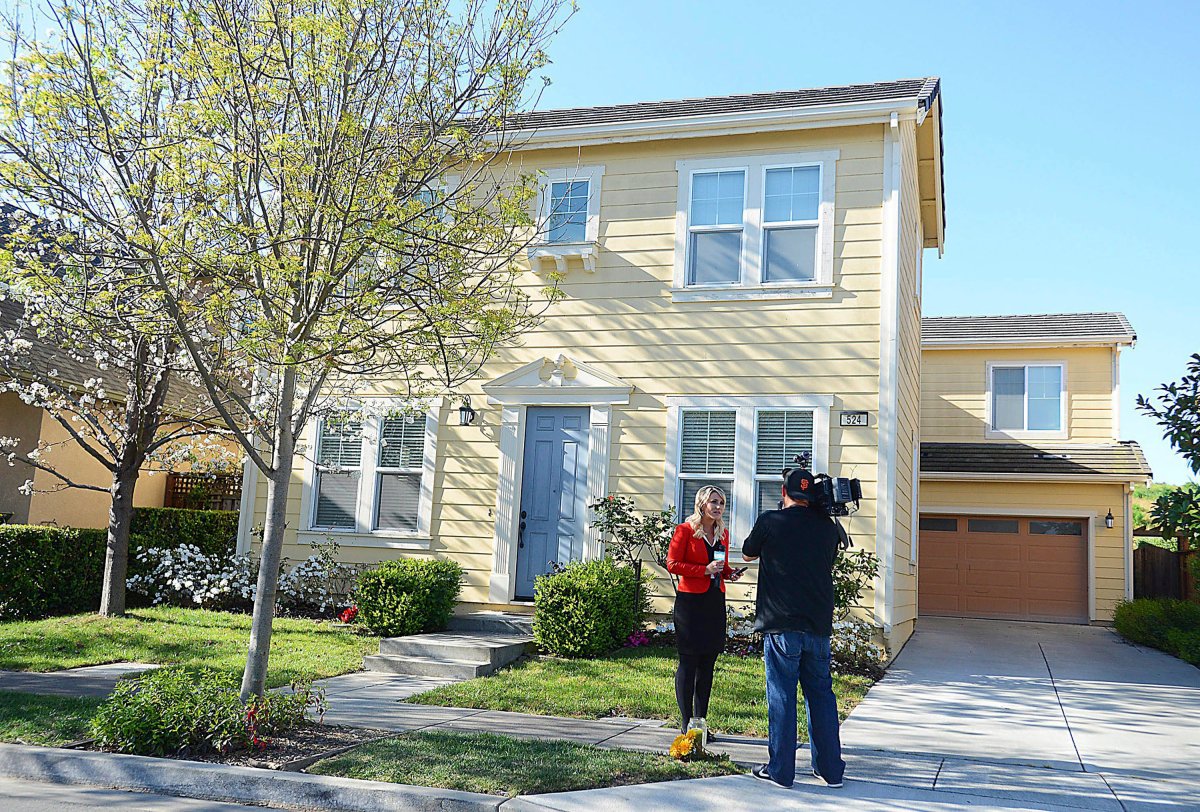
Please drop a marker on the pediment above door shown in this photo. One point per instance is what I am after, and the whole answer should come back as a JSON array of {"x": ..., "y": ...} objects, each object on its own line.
[{"x": 562, "y": 379}]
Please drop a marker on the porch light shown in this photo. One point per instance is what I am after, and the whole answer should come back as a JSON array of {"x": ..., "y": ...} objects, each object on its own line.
[
  {"x": 466, "y": 415},
  {"x": 1108, "y": 520}
]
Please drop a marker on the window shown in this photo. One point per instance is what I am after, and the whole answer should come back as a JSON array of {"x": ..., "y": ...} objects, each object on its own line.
[
  {"x": 993, "y": 526},
  {"x": 707, "y": 449},
  {"x": 715, "y": 227},
  {"x": 938, "y": 524},
  {"x": 1027, "y": 398},
  {"x": 741, "y": 444},
  {"x": 567, "y": 221},
  {"x": 779, "y": 436},
  {"x": 1048, "y": 528},
  {"x": 373, "y": 474},
  {"x": 759, "y": 227},
  {"x": 339, "y": 461}
]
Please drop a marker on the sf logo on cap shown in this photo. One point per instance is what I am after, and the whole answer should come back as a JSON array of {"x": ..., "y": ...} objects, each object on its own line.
[{"x": 804, "y": 484}]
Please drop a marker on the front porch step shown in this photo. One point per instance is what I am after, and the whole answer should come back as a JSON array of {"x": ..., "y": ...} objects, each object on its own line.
[
  {"x": 498, "y": 623},
  {"x": 411, "y": 665},
  {"x": 463, "y": 646},
  {"x": 453, "y": 654}
]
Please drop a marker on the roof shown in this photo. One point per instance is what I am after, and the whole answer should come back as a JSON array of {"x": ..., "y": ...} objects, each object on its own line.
[
  {"x": 1043, "y": 328},
  {"x": 922, "y": 92},
  {"x": 1122, "y": 460}
]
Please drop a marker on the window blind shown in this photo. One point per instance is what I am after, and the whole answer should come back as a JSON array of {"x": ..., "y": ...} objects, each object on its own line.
[
  {"x": 707, "y": 442},
  {"x": 402, "y": 442}
]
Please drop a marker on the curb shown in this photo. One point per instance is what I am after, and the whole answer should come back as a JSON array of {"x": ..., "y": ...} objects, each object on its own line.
[{"x": 219, "y": 782}]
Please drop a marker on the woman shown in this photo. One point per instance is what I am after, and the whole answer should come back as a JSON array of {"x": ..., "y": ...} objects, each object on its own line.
[{"x": 698, "y": 555}]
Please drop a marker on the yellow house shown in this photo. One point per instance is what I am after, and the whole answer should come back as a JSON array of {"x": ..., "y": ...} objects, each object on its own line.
[
  {"x": 741, "y": 280},
  {"x": 1025, "y": 485}
]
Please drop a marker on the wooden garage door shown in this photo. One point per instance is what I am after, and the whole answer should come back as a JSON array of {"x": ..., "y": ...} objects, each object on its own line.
[{"x": 1009, "y": 567}]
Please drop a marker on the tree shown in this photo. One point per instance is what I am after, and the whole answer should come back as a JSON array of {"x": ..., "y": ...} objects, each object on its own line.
[
  {"x": 81, "y": 344},
  {"x": 321, "y": 191},
  {"x": 1177, "y": 512}
]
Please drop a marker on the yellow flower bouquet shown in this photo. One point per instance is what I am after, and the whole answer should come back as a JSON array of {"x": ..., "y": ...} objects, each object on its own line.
[{"x": 687, "y": 745}]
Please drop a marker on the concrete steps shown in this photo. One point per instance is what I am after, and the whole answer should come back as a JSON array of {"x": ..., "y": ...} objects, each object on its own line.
[{"x": 475, "y": 646}]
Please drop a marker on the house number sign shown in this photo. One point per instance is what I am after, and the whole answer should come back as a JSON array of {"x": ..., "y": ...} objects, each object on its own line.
[{"x": 854, "y": 418}]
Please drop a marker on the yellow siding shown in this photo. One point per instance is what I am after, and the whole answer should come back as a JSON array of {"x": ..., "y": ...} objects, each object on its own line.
[
  {"x": 954, "y": 391},
  {"x": 908, "y": 380},
  {"x": 1050, "y": 499},
  {"x": 621, "y": 319}
]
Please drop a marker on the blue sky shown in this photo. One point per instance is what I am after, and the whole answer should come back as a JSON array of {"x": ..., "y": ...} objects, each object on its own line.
[{"x": 1072, "y": 172}]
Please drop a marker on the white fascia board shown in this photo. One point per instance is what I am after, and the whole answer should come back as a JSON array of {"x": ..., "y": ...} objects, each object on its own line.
[
  {"x": 834, "y": 115},
  {"x": 1021, "y": 343},
  {"x": 951, "y": 476}
]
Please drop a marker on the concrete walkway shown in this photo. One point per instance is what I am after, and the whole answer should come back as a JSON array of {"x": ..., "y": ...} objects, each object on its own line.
[{"x": 92, "y": 680}]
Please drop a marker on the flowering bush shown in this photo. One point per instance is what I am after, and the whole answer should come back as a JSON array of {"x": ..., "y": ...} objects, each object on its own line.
[
  {"x": 185, "y": 576},
  {"x": 637, "y": 639},
  {"x": 348, "y": 614},
  {"x": 853, "y": 648}
]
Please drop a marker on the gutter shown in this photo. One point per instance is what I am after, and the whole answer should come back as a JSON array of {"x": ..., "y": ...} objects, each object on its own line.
[
  {"x": 1025, "y": 343},
  {"x": 990, "y": 476}
]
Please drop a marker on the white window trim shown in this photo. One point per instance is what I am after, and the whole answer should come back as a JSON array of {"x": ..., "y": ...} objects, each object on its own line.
[
  {"x": 1025, "y": 434},
  {"x": 750, "y": 284},
  {"x": 741, "y": 520},
  {"x": 365, "y": 505},
  {"x": 559, "y": 252}
]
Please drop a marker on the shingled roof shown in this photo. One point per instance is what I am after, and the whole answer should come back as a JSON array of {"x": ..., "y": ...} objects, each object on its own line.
[
  {"x": 1123, "y": 460},
  {"x": 1044, "y": 328},
  {"x": 922, "y": 92}
]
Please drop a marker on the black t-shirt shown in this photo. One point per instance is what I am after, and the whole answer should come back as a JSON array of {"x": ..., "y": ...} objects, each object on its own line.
[{"x": 797, "y": 546}]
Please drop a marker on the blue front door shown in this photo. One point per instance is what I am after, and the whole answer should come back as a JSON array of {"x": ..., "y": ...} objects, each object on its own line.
[{"x": 553, "y": 491}]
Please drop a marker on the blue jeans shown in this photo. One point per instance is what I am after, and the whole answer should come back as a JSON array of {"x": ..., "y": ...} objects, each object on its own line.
[{"x": 802, "y": 657}]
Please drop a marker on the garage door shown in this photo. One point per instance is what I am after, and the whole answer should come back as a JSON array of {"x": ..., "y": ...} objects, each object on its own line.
[{"x": 1010, "y": 567}]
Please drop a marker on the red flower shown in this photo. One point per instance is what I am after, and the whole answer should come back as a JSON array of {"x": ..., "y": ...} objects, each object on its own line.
[{"x": 348, "y": 614}]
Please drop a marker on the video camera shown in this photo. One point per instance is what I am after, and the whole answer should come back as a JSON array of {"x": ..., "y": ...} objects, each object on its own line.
[{"x": 832, "y": 495}]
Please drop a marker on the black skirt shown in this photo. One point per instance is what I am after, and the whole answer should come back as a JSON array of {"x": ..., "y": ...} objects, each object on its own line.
[{"x": 700, "y": 622}]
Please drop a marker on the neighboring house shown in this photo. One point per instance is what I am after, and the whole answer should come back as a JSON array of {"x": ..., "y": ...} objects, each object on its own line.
[
  {"x": 1022, "y": 468},
  {"x": 741, "y": 284},
  {"x": 50, "y": 502}
]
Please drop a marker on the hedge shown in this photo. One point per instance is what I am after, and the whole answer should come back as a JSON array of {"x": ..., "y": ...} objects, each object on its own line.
[
  {"x": 408, "y": 596},
  {"x": 1170, "y": 625},
  {"x": 47, "y": 571},
  {"x": 588, "y": 608}
]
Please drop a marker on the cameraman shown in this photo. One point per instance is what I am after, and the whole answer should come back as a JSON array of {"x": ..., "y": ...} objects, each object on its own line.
[{"x": 798, "y": 545}]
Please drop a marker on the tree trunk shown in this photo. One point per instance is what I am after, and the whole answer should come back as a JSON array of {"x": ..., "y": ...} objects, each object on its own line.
[
  {"x": 116, "y": 555},
  {"x": 254, "y": 678}
]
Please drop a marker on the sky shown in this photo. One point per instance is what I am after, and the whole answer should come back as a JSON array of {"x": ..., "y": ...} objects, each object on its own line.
[{"x": 1071, "y": 130}]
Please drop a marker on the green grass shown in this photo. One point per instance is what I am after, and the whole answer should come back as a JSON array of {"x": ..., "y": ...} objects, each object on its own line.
[
  {"x": 46, "y": 720},
  {"x": 637, "y": 682},
  {"x": 499, "y": 765},
  {"x": 191, "y": 637}
]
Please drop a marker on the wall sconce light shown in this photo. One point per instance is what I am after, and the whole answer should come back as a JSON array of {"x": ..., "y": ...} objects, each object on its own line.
[
  {"x": 1108, "y": 520},
  {"x": 466, "y": 415}
]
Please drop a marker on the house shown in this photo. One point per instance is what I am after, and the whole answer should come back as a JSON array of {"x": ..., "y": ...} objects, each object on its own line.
[
  {"x": 741, "y": 280},
  {"x": 1025, "y": 484},
  {"x": 50, "y": 502}
]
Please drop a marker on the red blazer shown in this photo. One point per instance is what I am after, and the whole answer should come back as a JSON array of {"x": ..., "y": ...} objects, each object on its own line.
[{"x": 688, "y": 556}]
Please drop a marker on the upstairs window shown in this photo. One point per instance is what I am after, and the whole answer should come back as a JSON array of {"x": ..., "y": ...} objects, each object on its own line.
[
  {"x": 1027, "y": 398},
  {"x": 568, "y": 212},
  {"x": 759, "y": 226}
]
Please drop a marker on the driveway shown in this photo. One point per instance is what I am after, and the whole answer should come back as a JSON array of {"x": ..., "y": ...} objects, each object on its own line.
[{"x": 1078, "y": 700}]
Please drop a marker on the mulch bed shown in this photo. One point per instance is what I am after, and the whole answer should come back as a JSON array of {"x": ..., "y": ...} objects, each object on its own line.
[{"x": 294, "y": 750}]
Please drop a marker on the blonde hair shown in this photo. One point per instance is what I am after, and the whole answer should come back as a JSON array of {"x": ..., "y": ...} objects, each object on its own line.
[{"x": 702, "y": 497}]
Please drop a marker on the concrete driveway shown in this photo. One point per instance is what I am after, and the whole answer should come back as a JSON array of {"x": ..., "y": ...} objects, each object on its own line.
[{"x": 1099, "y": 717}]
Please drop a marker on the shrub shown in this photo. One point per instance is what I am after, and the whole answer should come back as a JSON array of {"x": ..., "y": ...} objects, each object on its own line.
[
  {"x": 588, "y": 608},
  {"x": 49, "y": 571},
  {"x": 408, "y": 596},
  {"x": 214, "y": 532},
  {"x": 1170, "y": 625},
  {"x": 852, "y": 571},
  {"x": 175, "y": 710},
  {"x": 853, "y": 648}
]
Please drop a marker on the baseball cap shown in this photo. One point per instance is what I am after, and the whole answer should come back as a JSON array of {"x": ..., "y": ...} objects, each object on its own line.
[{"x": 799, "y": 483}]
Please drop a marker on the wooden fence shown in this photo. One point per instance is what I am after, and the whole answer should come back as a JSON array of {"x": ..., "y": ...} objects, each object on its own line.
[
  {"x": 1163, "y": 573},
  {"x": 204, "y": 492}
]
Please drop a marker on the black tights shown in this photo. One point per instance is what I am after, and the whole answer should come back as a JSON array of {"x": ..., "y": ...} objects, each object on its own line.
[{"x": 693, "y": 683}]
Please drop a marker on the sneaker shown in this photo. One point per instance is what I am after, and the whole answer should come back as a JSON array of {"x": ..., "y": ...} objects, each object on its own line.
[
  {"x": 760, "y": 772},
  {"x": 829, "y": 784}
]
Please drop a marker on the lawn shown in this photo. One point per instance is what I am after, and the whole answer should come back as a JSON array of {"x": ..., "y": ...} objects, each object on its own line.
[
  {"x": 499, "y": 765},
  {"x": 45, "y": 720},
  {"x": 190, "y": 637},
  {"x": 637, "y": 682}
]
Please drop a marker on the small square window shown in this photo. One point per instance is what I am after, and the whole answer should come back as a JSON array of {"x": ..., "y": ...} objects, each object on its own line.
[
  {"x": 1027, "y": 398},
  {"x": 567, "y": 222}
]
